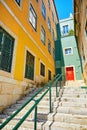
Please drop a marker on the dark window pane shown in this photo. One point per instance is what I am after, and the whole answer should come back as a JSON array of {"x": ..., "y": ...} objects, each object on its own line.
[
  {"x": 42, "y": 69},
  {"x": 68, "y": 51},
  {"x": 49, "y": 75},
  {"x": 29, "y": 70},
  {"x": 18, "y": 2},
  {"x": 65, "y": 29}
]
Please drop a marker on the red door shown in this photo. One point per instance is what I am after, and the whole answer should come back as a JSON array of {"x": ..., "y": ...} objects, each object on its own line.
[{"x": 69, "y": 73}]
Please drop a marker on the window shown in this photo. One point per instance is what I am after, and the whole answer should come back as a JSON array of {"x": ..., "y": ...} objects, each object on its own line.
[
  {"x": 6, "y": 50},
  {"x": 29, "y": 68},
  {"x": 18, "y": 2},
  {"x": 68, "y": 51},
  {"x": 49, "y": 24},
  {"x": 49, "y": 75},
  {"x": 43, "y": 35},
  {"x": 43, "y": 10},
  {"x": 33, "y": 17},
  {"x": 49, "y": 4},
  {"x": 49, "y": 46},
  {"x": 53, "y": 16},
  {"x": 53, "y": 34},
  {"x": 42, "y": 69},
  {"x": 65, "y": 29}
]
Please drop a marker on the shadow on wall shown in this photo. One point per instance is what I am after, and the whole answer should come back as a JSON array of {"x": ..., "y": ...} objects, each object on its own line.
[{"x": 59, "y": 59}]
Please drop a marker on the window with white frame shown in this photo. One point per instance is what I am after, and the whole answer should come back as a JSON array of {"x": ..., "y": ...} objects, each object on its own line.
[
  {"x": 18, "y": 2},
  {"x": 33, "y": 17},
  {"x": 65, "y": 29},
  {"x": 68, "y": 51},
  {"x": 49, "y": 24},
  {"x": 43, "y": 10},
  {"x": 49, "y": 46},
  {"x": 43, "y": 35}
]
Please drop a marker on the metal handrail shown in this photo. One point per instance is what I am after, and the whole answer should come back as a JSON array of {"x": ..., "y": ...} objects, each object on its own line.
[{"x": 48, "y": 87}]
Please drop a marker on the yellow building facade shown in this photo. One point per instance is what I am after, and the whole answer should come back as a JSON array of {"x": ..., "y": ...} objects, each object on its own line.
[{"x": 27, "y": 34}]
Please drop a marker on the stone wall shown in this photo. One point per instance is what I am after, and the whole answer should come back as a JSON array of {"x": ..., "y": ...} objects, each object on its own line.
[{"x": 11, "y": 92}]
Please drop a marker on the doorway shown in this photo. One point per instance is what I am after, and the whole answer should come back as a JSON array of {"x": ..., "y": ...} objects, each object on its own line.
[{"x": 70, "y": 73}]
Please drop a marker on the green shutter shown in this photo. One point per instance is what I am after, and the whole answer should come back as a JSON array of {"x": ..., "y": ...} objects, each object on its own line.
[
  {"x": 29, "y": 70},
  {"x": 6, "y": 52}
]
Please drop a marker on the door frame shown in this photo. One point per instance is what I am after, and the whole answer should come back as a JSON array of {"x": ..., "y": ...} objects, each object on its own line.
[{"x": 73, "y": 70}]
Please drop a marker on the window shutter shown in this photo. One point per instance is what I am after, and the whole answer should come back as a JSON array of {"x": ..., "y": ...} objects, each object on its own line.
[
  {"x": 7, "y": 53},
  {"x": 29, "y": 71}
]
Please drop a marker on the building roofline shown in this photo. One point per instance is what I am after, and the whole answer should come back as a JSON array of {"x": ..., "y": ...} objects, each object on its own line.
[{"x": 66, "y": 19}]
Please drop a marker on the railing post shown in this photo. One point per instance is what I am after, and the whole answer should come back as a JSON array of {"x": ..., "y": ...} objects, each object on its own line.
[
  {"x": 56, "y": 88},
  {"x": 50, "y": 101},
  {"x": 35, "y": 119}
]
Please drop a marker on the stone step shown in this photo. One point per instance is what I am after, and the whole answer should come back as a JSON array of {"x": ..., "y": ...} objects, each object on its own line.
[
  {"x": 44, "y": 99},
  {"x": 19, "y": 105},
  {"x": 63, "y": 126},
  {"x": 27, "y": 125},
  {"x": 73, "y": 104},
  {"x": 69, "y": 118},
  {"x": 42, "y": 108},
  {"x": 67, "y": 126},
  {"x": 72, "y": 110},
  {"x": 72, "y": 99},
  {"x": 75, "y": 95},
  {"x": 75, "y": 92}
]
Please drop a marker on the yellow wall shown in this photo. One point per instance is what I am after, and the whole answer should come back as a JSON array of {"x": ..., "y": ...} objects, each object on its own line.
[{"x": 15, "y": 19}]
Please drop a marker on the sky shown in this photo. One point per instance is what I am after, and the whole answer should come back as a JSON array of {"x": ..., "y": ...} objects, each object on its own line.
[{"x": 64, "y": 8}]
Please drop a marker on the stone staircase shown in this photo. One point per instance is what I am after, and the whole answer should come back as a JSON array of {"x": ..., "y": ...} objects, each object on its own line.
[
  {"x": 69, "y": 111},
  {"x": 71, "y": 114},
  {"x": 42, "y": 113}
]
